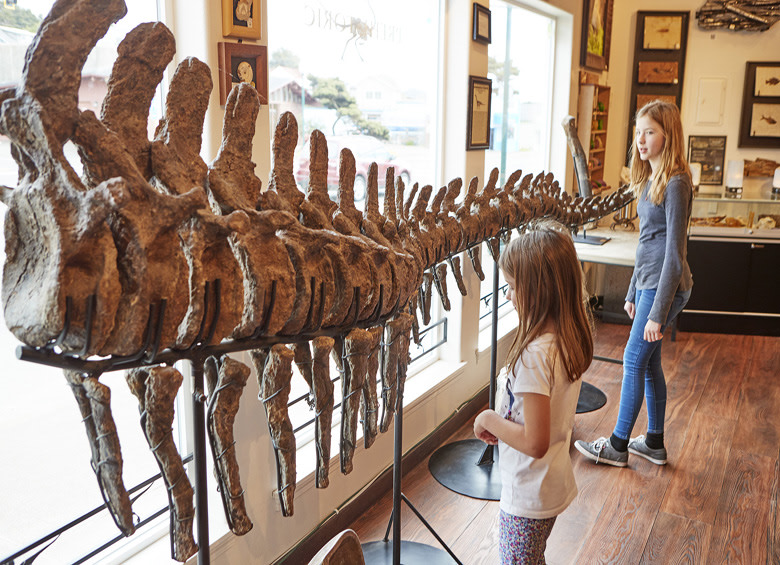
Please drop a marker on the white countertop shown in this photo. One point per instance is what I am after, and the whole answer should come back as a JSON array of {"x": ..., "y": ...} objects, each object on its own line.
[{"x": 619, "y": 250}]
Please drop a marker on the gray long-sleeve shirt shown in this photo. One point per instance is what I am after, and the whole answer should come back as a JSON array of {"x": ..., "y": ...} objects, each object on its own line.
[{"x": 662, "y": 254}]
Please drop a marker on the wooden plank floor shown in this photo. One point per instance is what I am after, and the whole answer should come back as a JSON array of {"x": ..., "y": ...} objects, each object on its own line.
[{"x": 716, "y": 501}]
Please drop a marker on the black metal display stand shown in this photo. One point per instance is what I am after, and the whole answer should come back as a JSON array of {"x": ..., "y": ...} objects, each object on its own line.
[
  {"x": 589, "y": 239},
  {"x": 467, "y": 466},
  {"x": 390, "y": 552}
]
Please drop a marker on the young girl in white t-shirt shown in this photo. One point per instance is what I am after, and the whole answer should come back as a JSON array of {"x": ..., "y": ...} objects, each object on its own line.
[{"x": 553, "y": 346}]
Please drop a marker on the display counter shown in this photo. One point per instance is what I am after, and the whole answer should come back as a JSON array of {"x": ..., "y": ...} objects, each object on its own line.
[{"x": 734, "y": 255}]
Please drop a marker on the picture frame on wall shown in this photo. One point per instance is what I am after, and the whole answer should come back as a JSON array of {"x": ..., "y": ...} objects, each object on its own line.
[
  {"x": 241, "y": 18},
  {"x": 480, "y": 31},
  {"x": 478, "y": 130},
  {"x": 663, "y": 32},
  {"x": 710, "y": 152},
  {"x": 243, "y": 62},
  {"x": 596, "y": 34},
  {"x": 760, "y": 120}
]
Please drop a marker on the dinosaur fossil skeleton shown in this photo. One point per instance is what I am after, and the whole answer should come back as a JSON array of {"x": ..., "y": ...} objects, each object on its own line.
[{"x": 153, "y": 250}]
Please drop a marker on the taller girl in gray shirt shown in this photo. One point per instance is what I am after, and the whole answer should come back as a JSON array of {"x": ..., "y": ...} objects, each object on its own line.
[{"x": 660, "y": 286}]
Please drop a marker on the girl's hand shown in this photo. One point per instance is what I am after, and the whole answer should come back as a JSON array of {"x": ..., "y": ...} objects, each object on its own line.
[
  {"x": 479, "y": 428},
  {"x": 630, "y": 309},
  {"x": 653, "y": 331}
]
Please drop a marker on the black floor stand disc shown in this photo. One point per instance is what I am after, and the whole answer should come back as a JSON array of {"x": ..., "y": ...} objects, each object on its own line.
[
  {"x": 456, "y": 466},
  {"x": 412, "y": 553},
  {"x": 591, "y": 398}
]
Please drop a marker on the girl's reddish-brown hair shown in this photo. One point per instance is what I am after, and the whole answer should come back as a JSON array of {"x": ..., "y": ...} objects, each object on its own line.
[{"x": 549, "y": 289}]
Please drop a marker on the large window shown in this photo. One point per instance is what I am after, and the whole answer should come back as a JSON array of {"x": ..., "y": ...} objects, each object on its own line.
[
  {"x": 520, "y": 64},
  {"x": 364, "y": 73},
  {"x": 46, "y": 480}
]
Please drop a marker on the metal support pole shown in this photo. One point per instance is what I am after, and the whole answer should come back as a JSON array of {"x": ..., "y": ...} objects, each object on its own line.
[
  {"x": 397, "y": 461},
  {"x": 199, "y": 454},
  {"x": 487, "y": 454}
]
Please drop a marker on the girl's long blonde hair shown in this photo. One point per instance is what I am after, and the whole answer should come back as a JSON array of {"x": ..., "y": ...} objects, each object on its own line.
[
  {"x": 549, "y": 288},
  {"x": 673, "y": 161}
]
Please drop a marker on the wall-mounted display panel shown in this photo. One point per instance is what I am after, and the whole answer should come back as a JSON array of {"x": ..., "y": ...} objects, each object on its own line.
[{"x": 659, "y": 61}]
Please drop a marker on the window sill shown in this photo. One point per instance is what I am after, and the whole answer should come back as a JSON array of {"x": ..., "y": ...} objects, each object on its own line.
[{"x": 507, "y": 324}]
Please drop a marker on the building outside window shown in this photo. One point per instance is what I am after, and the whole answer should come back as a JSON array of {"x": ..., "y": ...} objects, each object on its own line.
[
  {"x": 342, "y": 62},
  {"x": 521, "y": 111}
]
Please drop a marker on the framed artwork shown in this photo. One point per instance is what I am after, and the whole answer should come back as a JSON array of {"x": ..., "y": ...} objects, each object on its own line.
[
  {"x": 243, "y": 62},
  {"x": 478, "y": 131},
  {"x": 710, "y": 152},
  {"x": 767, "y": 82},
  {"x": 481, "y": 24},
  {"x": 662, "y": 32},
  {"x": 642, "y": 99},
  {"x": 241, "y": 18},
  {"x": 657, "y": 72},
  {"x": 760, "y": 122},
  {"x": 596, "y": 34}
]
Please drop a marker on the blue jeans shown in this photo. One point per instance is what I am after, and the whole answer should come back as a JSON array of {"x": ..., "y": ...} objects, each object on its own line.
[{"x": 642, "y": 372}]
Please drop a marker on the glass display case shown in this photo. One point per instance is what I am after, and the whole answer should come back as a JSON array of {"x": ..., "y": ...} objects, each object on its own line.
[
  {"x": 734, "y": 255},
  {"x": 717, "y": 215}
]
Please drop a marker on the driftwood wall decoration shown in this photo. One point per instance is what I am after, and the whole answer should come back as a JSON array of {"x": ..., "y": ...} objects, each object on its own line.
[
  {"x": 738, "y": 15},
  {"x": 154, "y": 250}
]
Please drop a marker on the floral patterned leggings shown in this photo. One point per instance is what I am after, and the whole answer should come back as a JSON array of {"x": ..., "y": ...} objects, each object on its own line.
[{"x": 522, "y": 541}]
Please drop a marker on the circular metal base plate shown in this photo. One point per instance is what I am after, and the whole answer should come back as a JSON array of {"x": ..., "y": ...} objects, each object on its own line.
[
  {"x": 412, "y": 553},
  {"x": 591, "y": 398},
  {"x": 455, "y": 466}
]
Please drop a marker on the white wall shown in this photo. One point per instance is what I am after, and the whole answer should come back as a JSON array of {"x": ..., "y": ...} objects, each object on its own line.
[{"x": 711, "y": 54}]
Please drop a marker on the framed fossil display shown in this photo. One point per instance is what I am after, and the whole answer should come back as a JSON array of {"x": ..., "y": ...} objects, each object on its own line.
[
  {"x": 241, "y": 18},
  {"x": 657, "y": 72},
  {"x": 710, "y": 152},
  {"x": 478, "y": 133},
  {"x": 596, "y": 34},
  {"x": 659, "y": 60},
  {"x": 243, "y": 62},
  {"x": 662, "y": 32},
  {"x": 760, "y": 122},
  {"x": 767, "y": 80},
  {"x": 642, "y": 99},
  {"x": 481, "y": 25}
]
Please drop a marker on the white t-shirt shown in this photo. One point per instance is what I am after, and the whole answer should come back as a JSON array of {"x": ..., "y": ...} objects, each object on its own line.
[{"x": 539, "y": 488}]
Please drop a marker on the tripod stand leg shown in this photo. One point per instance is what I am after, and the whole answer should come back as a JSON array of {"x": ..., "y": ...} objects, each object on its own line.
[
  {"x": 389, "y": 524},
  {"x": 430, "y": 528}
]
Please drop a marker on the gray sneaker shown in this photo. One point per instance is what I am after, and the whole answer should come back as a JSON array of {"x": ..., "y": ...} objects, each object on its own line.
[
  {"x": 601, "y": 451},
  {"x": 637, "y": 446}
]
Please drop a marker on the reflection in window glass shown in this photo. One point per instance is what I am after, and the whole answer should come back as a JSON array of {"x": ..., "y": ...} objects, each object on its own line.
[
  {"x": 522, "y": 89},
  {"x": 521, "y": 108},
  {"x": 365, "y": 74},
  {"x": 46, "y": 479}
]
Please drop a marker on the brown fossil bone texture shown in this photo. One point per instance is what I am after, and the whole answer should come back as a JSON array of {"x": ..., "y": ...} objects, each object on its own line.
[
  {"x": 94, "y": 401},
  {"x": 156, "y": 389},
  {"x": 322, "y": 387},
  {"x": 221, "y": 412},
  {"x": 276, "y": 371},
  {"x": 357, "y": 348}
]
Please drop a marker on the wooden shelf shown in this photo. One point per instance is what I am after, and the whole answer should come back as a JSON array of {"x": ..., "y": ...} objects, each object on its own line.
[{"x": 593, "y": 119}]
